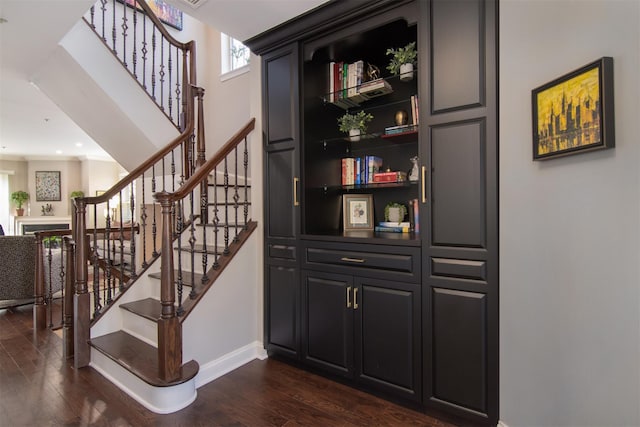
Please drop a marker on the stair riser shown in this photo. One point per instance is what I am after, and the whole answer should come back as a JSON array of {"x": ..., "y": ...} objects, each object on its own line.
[{"x": 140, "y": 327}]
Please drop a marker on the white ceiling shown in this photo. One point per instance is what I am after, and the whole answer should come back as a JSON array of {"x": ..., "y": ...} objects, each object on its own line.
[{"x": 31, "y": 125}]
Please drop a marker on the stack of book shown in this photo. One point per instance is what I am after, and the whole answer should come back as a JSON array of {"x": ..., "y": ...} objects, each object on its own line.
[
  {"x": 394, "y": 227},
  {"x": 346, "y": 86},
  {"x": 360, "y": 170}
]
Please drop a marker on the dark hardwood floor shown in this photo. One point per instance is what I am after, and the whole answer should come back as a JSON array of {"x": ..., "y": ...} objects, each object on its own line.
[{"x": 38, "y": 388}]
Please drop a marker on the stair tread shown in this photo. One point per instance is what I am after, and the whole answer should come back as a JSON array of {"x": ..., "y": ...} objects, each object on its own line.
[
  {"x": 148, "y": 308},
  {"x": 186, "y": 277},
  {"x": 140, "y": 358}
]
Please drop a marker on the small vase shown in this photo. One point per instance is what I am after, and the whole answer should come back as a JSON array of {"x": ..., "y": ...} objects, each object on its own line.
[
  {"x": 19, "y": 211},
  {"x": 394, "y": 215},
  {"x": 354, "y": 134},
  {"x": 406, "y": 72}
]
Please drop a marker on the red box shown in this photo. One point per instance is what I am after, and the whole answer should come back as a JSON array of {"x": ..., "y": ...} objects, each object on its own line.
[{"x": 389, "y": 176}]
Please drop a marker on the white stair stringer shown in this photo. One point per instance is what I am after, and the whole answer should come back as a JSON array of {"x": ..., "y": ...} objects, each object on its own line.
[
  {"x": 161, "y": 400},
  {"x": 207, "y": 337}
]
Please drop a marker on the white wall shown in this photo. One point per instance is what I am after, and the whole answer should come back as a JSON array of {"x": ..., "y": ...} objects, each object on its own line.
[{"x": 569, "y": 227}]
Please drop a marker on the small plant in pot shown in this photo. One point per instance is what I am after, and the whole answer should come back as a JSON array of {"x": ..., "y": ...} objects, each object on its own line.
[
  {"x": 76, "y": 193},
  {"x": 354, "y": 124},
  {"x": 395, "y": 212},
  {"x": 19, "y": 198},
  {"x": 403, "y": 60}
]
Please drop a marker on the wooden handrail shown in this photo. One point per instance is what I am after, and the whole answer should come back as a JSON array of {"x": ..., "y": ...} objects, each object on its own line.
[{"x": 203, "y": 171}]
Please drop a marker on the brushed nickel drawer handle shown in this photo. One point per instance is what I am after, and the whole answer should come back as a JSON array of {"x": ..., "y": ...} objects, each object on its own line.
[
  {"x": 349, "y": 297},
  {"x": 358, "y": 260},
  {"x": 296, "y": 180}
]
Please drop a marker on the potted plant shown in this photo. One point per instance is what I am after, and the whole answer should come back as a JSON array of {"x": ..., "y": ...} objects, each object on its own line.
[
  {"x": 395, "y": 212},
  {"x": 19, "y": 197},
  {"x": 77, "y": 193},
  {"x": 354, "y": 124},
  {"x": 402, "y": 61}
]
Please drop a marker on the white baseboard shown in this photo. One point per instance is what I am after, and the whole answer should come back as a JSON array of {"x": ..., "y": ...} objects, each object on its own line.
[
  {"x": 502, "y": 424},
  {"x": 229, "y": 362}
]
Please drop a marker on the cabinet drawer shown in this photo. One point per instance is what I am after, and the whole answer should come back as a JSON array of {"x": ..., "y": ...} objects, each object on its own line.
[{"x": 398, "y": 262}]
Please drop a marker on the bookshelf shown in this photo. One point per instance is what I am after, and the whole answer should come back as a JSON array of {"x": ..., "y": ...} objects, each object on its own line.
[{"x": 349, "y": 74}]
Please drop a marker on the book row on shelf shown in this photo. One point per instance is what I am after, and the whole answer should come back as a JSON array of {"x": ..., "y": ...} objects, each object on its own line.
[
  {"x": 413, "y": 225},
  {"x": 368, "y": 170},
  {"x": 347, "y": 86}
]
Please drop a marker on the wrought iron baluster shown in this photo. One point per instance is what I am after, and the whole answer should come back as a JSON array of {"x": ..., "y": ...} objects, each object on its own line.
[
  {"x": 96, "y": 270},
  {"x": 154, "y": 224},
  {"x": 162, "y": 73},
  {"x": 216, "y": 220},
  {"x": 204, "y": 203},
  {"x": 192, "y": 243},
  {"x": 143, "y": 223},
  {"x": 104, "y": 13},
  {"x": 132, "y": 242},
  {"x": 170, "y": 66},
  {"x": 135, "y": 41},
  {"x": 153, "y": 63},
  {"x": 246, "y": 185},
  {"x": 50, "y": 282},
  {"x": 92, "y": 14},
  {"x": 178, "y": 93},
  {"x": 62, "y": 278},
  {"x": 109, "y": 263},
  {"x": 121, "y": 242},
  {"x": 113, "y": 29},
  {"x": 226, "y": 207},
  {"x": 144, "y": 51},
  {"x": 236, "y": 195},
  {"x": 125, "y": 27},
  {"x": 180, "y": 281}
]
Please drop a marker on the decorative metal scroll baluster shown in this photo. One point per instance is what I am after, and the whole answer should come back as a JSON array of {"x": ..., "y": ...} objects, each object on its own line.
[
  {"x": 143, "y": 223},
  {"x": 170, "y": 63},
  {"x": 121, "y": 243},
  {"x": 61, "y": 275},
  {"x": 104, "y": 14},
  {"x": 161, "y": 73},
  {"x": 178, "y": 92},
  {"x": 216, "y": 220},
  {"x": 226, "y": 207},
  {"x": 125, "y": 27},
  {"x": 94, "y": 259},
  {"x": 135, "y": 41},
  {"x": 132, "y": 242},
  {"x": 113, "y": 28},
  {"x": 179, "y": 280},
  {"x": 144, "y": 51},
  {"x": 192, "y": 244},
  {"x": 236, "y": 195},
  {"x": 204, "y": 203},
  {"x": 246, "y": 185},
  {"x": 50, "y": 281},
  {"x": 153, "y": 63},
  {"x": 92, "y": 17},
  {"x": 108, "y": 297}
]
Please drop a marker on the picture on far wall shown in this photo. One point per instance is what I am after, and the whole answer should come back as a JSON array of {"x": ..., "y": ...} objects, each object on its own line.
[
  {"x": 166, "y": 13},
  {"x": 574, "y": 113},
  {"x": 48, "y": 186}
]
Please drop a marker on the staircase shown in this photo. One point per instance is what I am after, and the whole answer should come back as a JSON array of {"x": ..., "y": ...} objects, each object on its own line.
[{"x": 156, "y": 259}]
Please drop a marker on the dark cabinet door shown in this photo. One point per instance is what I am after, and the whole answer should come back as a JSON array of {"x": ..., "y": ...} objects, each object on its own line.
[
  {"x": 459, "y": 207},
  {"x": 388, "y": 336},
  {"x": 281, "y": 166},
  {"x": 328, "y": 322}
]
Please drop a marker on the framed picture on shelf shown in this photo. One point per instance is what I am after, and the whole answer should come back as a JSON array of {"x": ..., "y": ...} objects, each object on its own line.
[
  {"x": 48, "y": 186},
  {"x": 574, "y": 113},
  {"x": 357, "y": 212}
]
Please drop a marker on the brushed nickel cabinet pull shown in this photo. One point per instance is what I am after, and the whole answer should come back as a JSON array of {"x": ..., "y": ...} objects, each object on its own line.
[
  {"x": 349, "y": 297},
  {"x": 355, "y": 298}
]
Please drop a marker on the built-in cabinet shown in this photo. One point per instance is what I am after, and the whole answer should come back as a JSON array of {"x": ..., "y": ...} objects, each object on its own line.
[{"x": 412, "y": 316}]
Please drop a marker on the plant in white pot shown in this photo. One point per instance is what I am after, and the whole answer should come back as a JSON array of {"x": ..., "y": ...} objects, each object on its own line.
[
  {"x": 19, "y": 198},
  {"x": 354, "y": 124},
  {"x": 395, "y": 212},
  {"x": 403, "y": 60}
]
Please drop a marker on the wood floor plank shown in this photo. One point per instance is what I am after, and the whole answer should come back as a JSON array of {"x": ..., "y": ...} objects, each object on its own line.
[{"x": 39, "y": 388}]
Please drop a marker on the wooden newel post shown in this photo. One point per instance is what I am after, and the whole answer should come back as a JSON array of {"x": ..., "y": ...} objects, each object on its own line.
[
  {"x": 169, "y": 327},
  {"x": 69, "y": 291},
  {"x": 200, "y": 134},
  {"x": 81, "y": 299},
  {"x": 39, "y": 307}
]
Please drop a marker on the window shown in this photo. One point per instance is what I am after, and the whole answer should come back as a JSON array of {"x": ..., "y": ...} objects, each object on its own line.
[{"x": 235, "y": 57}]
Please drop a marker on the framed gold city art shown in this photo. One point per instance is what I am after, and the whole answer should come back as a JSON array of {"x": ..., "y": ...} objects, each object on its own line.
[
  {"x": 574, "y": 113},
  {"x": 47, "y": 186}
]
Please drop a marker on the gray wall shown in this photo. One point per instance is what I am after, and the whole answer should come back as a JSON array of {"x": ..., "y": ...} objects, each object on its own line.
[{"x": 570, "y": 227}]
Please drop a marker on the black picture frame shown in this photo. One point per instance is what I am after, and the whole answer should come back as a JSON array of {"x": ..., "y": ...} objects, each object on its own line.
[{"x": 574, "y": 113}]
